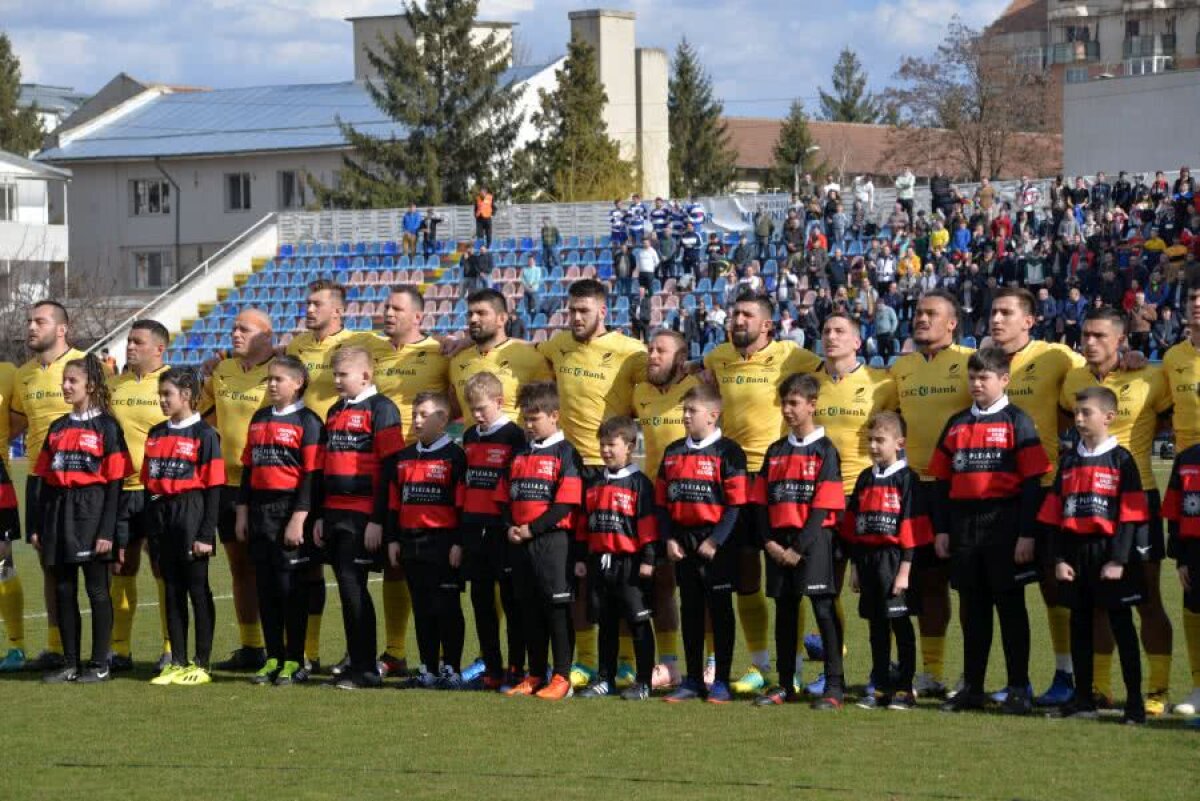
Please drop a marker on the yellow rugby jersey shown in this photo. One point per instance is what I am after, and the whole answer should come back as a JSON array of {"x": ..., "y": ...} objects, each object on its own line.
[
  {"x": 8, "y": 380},
  {"x": 37, "y": 394},
  {"x": 931, "y": 391},
  {"x": 514, "y": 363},
  {"x": 234, "y": 395},
  {"x": 595, "y": 382},
  {"x": 317, "y": 356},
  {"x": 135, "y": 405},
  {"x": 404, "y": 372},
  {"x": 749, "y": 388},
  {"x": 1142, "y": 395},
  {"x": 660, "y": 413},
  {"x": 1181, "y": 368},
  {"x": 845, "y": 406},
  {"x": 1036, "y": 376}
]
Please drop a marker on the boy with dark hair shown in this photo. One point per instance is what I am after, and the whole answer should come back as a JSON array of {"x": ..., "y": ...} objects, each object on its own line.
[
  {"x": 620, "y": 530},
  {"x": 541, "y": 495},
  {"x": 700, "y": 490},
  {"x": 1094, "y": 510},
  {"x": 798, "y": 492},
  {"x": 885, "y": 522},
  {"x": 988, "y": 467}
]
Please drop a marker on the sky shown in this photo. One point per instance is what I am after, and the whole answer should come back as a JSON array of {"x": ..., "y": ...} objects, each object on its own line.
[{"x": 760, "y": 54}]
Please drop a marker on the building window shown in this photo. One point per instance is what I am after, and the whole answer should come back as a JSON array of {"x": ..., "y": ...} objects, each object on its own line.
[
  {"x": 8, "y": 202},
  {"x": 237, "y": 191},
  {"x": 1076, "y": 75},
  {"x": 293, "y": 189},
  {"x": 150, "y": 197},
  {"x": 1149, "y": 65},
  {"x": 153, "y": 269}
]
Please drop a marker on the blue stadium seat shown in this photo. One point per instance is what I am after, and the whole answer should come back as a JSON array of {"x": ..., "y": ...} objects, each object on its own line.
[
  {"x": 969, "y": 342},
  {"x": 876, "y": 361},
  {"x": 704, "y": 285},
  {"x": 390, "y": 249}
]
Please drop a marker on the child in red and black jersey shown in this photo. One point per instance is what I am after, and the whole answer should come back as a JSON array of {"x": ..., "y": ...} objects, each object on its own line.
[
  {"x": 798, "y": 495},
  {"x": 424, "y": 496},
  {"x": 362, "y": 437},
  {"x": 1181, "y": 508},
  {"x": 1094, "y": 511},
  {"x": 281, "y": 483},
  {"x": 490, "y": 445},
  {"x": 619, "y": 528},
  {"x": 183, "y": 473},
  {"x": 700, "y": 489},
  {"x": 988, "y": 465},
  {"x": 81, "y": 467},
  {"x": 885, "y": 522},
  {"x": 541, "y": 494}
]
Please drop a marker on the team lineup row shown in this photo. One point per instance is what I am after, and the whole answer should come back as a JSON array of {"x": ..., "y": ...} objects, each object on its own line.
[{"x": 600, "y": 375}]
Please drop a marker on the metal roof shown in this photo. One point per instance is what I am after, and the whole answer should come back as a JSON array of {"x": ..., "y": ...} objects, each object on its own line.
[
  {"x": 34, "y": 167},
  {"x": 60, "y": 99},
  {"x": 221, "y": 121}
]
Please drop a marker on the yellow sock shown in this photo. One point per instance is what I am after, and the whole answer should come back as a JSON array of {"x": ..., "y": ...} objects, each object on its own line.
[
  {"x": 1059, "y": 620},
  {"x": 801, "y": 624},
  {"x": 933, "y": 656},
  {"x": 312, "y": 638},
  {"x": 397, "y": 608},
  {"x": 251, "y": 635},
  {"x": 625, "y": 650},
  {"x": 1102, "y": 664},
  {"x": 162, "y": 615},
  {"x": 752, "y": 614},
  {"x": 12, "y": 610},
  {"x": 1160, "y": 673},
  {"x": 1191, "y": 633},
  {"x": 53, "y": 639},
  {"x": 123, "y": 591},
  {"x": 586, "y": 648},
  {"x": 666, "y": 643}
]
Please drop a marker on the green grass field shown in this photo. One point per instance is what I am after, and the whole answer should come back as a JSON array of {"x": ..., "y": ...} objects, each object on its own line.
[{"x": 127, "y": 740}]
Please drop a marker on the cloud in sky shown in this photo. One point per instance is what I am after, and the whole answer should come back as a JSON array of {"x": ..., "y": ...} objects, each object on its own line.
[{"x": 760, "y": 55}]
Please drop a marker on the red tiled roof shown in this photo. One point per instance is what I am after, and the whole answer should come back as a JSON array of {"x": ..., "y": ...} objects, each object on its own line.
[{"x": 1021, "y": 16}]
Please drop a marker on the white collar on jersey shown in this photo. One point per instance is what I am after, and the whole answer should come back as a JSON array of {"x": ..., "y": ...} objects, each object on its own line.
[
  {"x": 369, "y": 392},
  {"x": 90, "y": 414},
  {"x": 625, "y": 472},
  {"x": 813, "y": 436},
  {"x": 704, "y": 443},
  {"x": 549, "y": 441},
  {"x": 999, "y": 405},
  {"x": 1101, "y": 449},
  {"x": 496, "y": 425},
  {"x": 437, "y": 445},
  {"x": 892, "y": 469},
  {"x": 185, "y": 422},
  {"x": 291, "y": 408}
]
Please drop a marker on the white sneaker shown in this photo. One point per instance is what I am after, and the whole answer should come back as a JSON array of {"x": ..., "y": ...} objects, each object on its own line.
[
  {"x": 1189, "y": 705},
  {"x": 926, "y": 686}
]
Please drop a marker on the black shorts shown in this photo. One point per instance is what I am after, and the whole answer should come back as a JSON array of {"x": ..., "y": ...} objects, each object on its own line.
[
  {"x": 175, "y": 522},
  {"x": 718, "y": 574},
  {"x": 983, "y": 541},
  {"x": 1189, "y": 557},
  {"x": 344, "y": 533},
  {"x": 745, "y": 534},
  {"x": 428, "y": 552},
  {"x": 267, "y": 519},
  {"x": 32, "y": 485},
  {"x": 1088, "y": 590},
  {"x": 542, "y": 567},
  {"x": 813, "y": 576},
  {"x": 71, "y": 525},
  {"x": 227, "y": 514},
  {"x": 133, "y": 520},
  {"x": 877, "y": 569},
  {"x": 485, "y": 553},
  {"x": 614, "y": 579},
  {"x": 1148, "y": 540}
]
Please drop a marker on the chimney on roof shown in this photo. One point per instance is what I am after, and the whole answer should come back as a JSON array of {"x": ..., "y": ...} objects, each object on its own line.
[{"x": 369, "y": 30}]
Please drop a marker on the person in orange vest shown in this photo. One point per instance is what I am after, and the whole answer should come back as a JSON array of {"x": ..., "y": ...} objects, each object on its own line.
[{"x": 483, "y": 215}]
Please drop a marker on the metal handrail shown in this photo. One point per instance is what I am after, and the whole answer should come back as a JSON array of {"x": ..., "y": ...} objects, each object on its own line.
[{"x": 200, "y": 269}]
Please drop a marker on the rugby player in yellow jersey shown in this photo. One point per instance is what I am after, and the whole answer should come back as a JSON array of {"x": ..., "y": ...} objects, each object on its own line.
[
  {"x": 237, "y": 389},
  {"x": 596, "y": 370},
  {"x": 407, "y": 363},
  {"x": 323, "y": 317},
  {"x": 931, "y": 384},
  {"x": 1142, "y": 397},
  {"x": 134, "y": 401},
  {"x": 37, "y": 402},
  {"x": 12, "y": 595},
  {"x": 747, "y": 372},
  {"x": 1181, "y": 367}
]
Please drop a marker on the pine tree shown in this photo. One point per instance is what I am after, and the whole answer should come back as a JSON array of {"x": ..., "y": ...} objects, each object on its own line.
[
  {"x": 850, "y": 101},
  {"x": 20, "y": 129},
  {"x": 574, "y": 159},
  {"x": 793, "y": 148},
  {"x": 702, "y": 162},
  {"x": 445, "y": 90}
]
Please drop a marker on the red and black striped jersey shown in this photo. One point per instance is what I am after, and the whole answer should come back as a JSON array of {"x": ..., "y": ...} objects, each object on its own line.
[
  {"x": 1094, "y": 492},
  {"x": 489, "y": 452},
  {"x": 84, "y": 450},
  {"x": 989, "y": 454},
  {"x": 887, "y": 508},
  {"x": 698, "y": 480},
  {"x": 797, "y": 476},
  {"x": 546, "y": 473},
  {"x": 618, "y": 514},
  {"x": 181, "y": 457},
  {"x": 1181, "y": 505},
  {"x": 281, "y": 448},
  {"x": 360, "y": 435},
  {"x": 427, "y": 489}
]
